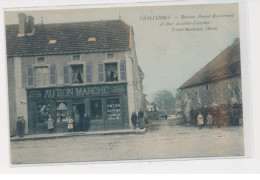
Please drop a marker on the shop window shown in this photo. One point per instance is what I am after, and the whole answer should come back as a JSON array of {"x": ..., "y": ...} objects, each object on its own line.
[
  {"x": 113, "y": 108},
  {"x": 77, "y": 74},
  {"x": 43, "y": 112},
  {"x": 62, "y": 110},
  {"x": 111, "y": 72},
  {"x": 41, "y": 76},
  {"x": 96, "y": 109}
]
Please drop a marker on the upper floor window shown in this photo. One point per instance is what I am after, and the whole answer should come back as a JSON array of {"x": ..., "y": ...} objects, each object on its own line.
[
  {"x": 110, "y": 55},
  {"x": 77, "y": 74},
  {"x": 41, "y": 76},
  {"x": 40, "y": 59},
  {"x": 76, "y": 57},
  {"x": 111, "y": 71}
]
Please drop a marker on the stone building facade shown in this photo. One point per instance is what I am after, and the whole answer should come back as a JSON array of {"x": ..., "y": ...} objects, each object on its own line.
[
  {"x": 62, "y": 69},
  {"x": 216, "y": 88}
]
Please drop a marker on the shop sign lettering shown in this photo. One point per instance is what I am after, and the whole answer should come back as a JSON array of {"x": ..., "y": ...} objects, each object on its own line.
[{"x": 75, "y": 91}]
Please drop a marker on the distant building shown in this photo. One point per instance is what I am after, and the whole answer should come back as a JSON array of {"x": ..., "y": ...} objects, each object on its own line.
[
  {"x": 216, "y": 88},
  {"x": 63, "y": 68}
]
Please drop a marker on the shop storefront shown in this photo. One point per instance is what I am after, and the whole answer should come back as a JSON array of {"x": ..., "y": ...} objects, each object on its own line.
[{"x": 105, "y": 104}]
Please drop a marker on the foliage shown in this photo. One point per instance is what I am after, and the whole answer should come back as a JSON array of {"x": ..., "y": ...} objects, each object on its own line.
[{"x": 165, "y": 100}]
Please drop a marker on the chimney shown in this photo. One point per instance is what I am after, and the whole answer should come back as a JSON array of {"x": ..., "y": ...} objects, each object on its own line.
[
  {"x": 22, "y": 24},
  {"x": 30, "y": 25}
]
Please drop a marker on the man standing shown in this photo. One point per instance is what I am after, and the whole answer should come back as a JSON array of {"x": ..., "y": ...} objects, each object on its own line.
[
  {"x": 50, "y": 123},
  {"x": 19, "y": 126},
  {"x": 77, "y": 121},
  {"x": 141, "y": 119},
  {"x": 134, "y": 119},
  {"x": 22, "y": 126},
  {"x": 85, "y": 122}
]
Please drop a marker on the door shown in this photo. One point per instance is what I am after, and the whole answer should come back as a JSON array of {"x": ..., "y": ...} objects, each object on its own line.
[{"x": 78, "y": 115}]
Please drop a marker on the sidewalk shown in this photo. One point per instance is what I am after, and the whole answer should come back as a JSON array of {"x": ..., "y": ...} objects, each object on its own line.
[{"x": 67, "y": 134}]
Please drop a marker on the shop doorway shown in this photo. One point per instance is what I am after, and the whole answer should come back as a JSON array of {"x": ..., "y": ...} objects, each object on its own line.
[
  {"x": 96, "y": 109},
  {"x": 78, "y": 116}
]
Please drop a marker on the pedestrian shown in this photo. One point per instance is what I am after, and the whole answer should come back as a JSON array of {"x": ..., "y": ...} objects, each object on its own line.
[
  {"x": 77, "y": 121},
  {"x": 19, "y": 126},
  {"x": 86, "y": 121},
  {"x": 200, "y": 120},
  {"x": 134, "y": 119},
  {"x": 141, "y": 119},
  {"x": 166, "y": 116},
  {"x": 50, "y": 123},
  {"x": 70, "y": 124},
  {"x": 210, "y": 120},
  {"x": 22, "y": 126}
]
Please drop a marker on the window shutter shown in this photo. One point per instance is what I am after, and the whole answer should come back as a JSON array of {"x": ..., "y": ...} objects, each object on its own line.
[
  {"x": 53, "y": 79},
  {"x": 100, "y": 73},
  {"x": 66, "y": 74},
  {"x": 123, "y": 70},
  {"x": 30, "y": 76},
  {"x": 89, "y": 73}
]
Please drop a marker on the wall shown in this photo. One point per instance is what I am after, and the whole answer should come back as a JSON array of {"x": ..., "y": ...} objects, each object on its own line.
[
  {"x": 134, "y": 86},
  {"x": 11, "y": 96},
  {"x": 226, "y": 91}
]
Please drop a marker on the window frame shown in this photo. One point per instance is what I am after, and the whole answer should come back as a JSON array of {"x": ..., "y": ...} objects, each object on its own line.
[
  {"x": 118, "y": 71},
  {"x": 75, "y": 55},
  {"x": 110, "y": 98},
  {"x": 40, "y": 57},
  {"x": 35, "y": 79},
  {"x": 112, "y": 53}
]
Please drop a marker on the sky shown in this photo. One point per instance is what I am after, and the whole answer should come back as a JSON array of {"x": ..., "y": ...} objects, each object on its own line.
[{"x": 167, "y": 52}]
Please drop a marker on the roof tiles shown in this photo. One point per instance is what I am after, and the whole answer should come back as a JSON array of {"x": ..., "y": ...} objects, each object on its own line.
[
  {"x": 70, "y": 38},
  {"x": 225, "y": 65}
]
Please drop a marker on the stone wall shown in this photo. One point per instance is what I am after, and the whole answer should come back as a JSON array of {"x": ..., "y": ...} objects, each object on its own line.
[{"x": 216, "y": 94}]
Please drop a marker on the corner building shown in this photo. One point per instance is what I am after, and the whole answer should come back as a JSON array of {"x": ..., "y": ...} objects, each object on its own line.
[{"x": 58, "y": 69}]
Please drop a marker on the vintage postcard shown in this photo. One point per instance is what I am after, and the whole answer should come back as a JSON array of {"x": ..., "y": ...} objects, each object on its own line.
[{"x": 124, "y": 83}]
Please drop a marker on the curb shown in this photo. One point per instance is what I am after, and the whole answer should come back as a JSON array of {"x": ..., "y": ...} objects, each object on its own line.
[{"x": 94, "y": 133}]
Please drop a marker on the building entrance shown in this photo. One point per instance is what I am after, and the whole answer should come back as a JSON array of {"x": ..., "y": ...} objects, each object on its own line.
[
  {"x": 78, "y": 116},
  {"x": 96, "y": 109}
]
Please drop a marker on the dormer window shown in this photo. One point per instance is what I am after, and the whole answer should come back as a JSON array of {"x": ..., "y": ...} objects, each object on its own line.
[
  {"x": 40, "y": 59},
  {"x": 91, "y": 39},
  {"x": 52, "y": 41},
  {"x": 110, "y": 55},
  {"x": 76, "y": 57}
]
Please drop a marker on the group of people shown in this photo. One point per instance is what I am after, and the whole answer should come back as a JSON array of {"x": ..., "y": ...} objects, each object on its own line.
[
  {"x": 139, "y": 120},
  {"x": 200, "y": 120},
  {"x": 20, "y": 126},
  {"x": 75, "y": 124}
]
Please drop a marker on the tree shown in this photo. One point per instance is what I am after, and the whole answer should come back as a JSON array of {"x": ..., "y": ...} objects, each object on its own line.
[{"x": 164, "y": 100}]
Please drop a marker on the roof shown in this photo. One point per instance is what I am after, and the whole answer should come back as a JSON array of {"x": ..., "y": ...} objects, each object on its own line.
[
  {"x": 225, "y": 65},
  {"x": 81, "y": 37}
]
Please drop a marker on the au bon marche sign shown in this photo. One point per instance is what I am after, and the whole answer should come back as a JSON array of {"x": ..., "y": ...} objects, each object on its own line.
[{"x": 75, "y": 91}]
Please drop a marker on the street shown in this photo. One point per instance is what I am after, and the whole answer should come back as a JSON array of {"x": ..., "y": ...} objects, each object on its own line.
[{"x": 166, "y": 141}]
